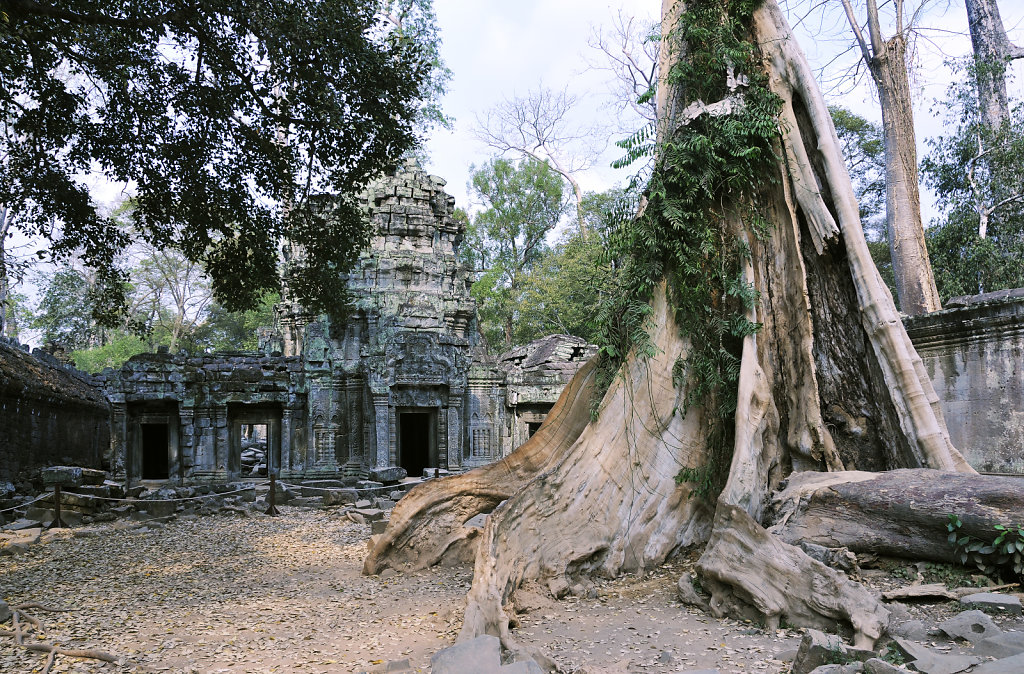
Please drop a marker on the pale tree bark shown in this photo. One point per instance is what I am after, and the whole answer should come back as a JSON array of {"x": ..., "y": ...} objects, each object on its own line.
[
  {"x": 992, "y": 52},
  {"x": 830, "y": 382},
  {"x": 887, "y": 62}
]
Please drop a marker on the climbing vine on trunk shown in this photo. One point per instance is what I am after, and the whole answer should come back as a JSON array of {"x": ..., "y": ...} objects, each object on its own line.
[{"x": 702, "y": 202}]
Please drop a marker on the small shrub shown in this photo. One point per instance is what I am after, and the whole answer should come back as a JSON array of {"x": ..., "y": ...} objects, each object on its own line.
[{"x": 1004, "y": 555}]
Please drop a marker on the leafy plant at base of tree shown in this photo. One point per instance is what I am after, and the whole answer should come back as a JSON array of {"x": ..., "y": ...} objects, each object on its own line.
[
  {"x": 687, "y": 237},
  {"x": 1003, "y": 555}
]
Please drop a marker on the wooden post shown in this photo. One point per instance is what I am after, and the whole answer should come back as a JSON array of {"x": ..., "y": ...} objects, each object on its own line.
[
  {"x": 57, "y": 521},
  {"x": 272, "y": 500}
]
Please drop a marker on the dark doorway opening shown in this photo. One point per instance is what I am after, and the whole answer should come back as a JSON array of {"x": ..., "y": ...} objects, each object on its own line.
[
  {"x": 416, "y": 442},
  {"x": 532, "y": 427},
  {"x": 155, "y": 460}
]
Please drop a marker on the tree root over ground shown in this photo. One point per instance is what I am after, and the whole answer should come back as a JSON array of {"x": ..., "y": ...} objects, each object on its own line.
[{"x": 20, "y": 631}]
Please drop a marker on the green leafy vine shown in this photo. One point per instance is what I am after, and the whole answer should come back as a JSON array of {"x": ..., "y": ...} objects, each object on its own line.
[{"x": 702, "y": 203}]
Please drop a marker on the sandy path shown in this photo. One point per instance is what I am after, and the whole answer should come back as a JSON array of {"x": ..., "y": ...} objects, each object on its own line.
[{"x": 228, "y": 593}]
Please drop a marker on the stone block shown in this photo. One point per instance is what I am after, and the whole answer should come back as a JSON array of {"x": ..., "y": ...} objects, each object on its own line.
[
  {"x": 385, "y": 504},
  {"x": 100, "y": 491},
  {"x": 389, "y": 475},
  {"x": 931, "y": 662},
  {"x": 850, "y": 668},
  {"x": 817, "y": 649},
  {"x": 378, "y": 526},
  {"x": 339, "y": 497},
  {"x": 20, "y": 525},
  {"x": 65, "y": 476},
  {"x": 435, "y": 472},
  {"x": 877, "y": 666},
  {"x": 481, "y": 655},
  {"x": 1011, "y": 665},
  {"x": 368, "y": 514},
  {"x": 159, "y": 508},
  {"x": 368, "y": 484},
  {"x": 993, "y": 601},
  {"x": 364, "y": 503},
  {"x": 5, "y": 611},
  {"x": 1003, "y": 645},
  {"x": 971, "y": 626}
]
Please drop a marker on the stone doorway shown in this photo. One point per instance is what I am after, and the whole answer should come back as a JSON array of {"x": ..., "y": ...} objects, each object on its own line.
[
  {"x": 255, "y": 440},
  {"x": 155, "y": 455},
  {"x": 417, "y": 440},
  {"x": 153, "y": 429},
  {"x": 532, "y": 427}
]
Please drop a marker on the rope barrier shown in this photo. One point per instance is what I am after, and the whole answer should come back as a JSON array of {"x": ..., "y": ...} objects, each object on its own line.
[
  {"x": 133, "y": 500},
  {"x": 23, "y": 505},
  {"x": 299, "y": 486},
  {"x": 197, "y": 498}
]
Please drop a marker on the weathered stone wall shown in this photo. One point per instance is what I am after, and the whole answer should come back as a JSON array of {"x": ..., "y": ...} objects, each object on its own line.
[
  {"x": 974, "y": 355},
  {"x": 49, "y": 414},
  {"x": 202, "y": 402}
]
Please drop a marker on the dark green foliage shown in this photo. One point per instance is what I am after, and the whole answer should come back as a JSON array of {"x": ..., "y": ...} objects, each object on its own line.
[
  {"x": 64, "y": 312},
  {"x": 226, "y": 115},
  {"x": 504, "y": 241},
  {"x": 975, "y": 171},
  {"x": 1003, "y": 555},
  {"x": 704, "y": 188}
]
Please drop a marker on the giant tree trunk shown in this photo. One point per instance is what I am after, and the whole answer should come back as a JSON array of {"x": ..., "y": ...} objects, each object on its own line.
[
  {"x": 992, "y": 51},
  {"x": 830, "y": 382}
]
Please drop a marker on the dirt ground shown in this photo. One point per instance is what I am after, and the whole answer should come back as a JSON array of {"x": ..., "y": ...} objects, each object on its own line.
[{"x": 233, "y": 593}]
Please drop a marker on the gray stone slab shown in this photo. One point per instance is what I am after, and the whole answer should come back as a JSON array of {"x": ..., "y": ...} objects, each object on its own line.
[
  {"x": 65, "y": 476},
  {"x": 5, "y": 611},
  {"x": 387, "y": 475},
  {"x": 850, "y": 668},
  {"x": 971, "y": 626},
  {"x": 1003, "y": 645},
  {"x": 817, "y": 649},
  {"x": 368, "y": 514},
  {"x": 996, "y": 601},
  {"x": 19, "y": 524},
  {"x": 877, "y": 666},
  {"x": 927, "y": 661},
  {"x": 523, "y": 667},
  {"x": 1011, "y": 665},
  {"x": 481, "y": 655}
]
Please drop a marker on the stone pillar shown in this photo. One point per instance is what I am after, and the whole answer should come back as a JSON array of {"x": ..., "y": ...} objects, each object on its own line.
[
  {"x": 455, "y": 426},
  {"x": 288, "y": 453},
  {"x": 187, "y": 441},
  {"x": 118, "y": 458},
  {"x": 382, "y": 423}
]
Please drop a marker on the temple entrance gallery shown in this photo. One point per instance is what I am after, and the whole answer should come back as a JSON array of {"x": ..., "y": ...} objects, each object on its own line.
[{"x": 403, "y": 381}]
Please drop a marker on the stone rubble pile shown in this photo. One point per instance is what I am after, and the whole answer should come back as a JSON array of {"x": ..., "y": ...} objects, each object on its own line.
[{"x": 88, "y": 497}]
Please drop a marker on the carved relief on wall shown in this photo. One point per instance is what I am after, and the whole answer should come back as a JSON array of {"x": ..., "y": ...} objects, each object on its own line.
[
  {"x": 418, "y": 397},
  {"x": 418, "y": 358}
]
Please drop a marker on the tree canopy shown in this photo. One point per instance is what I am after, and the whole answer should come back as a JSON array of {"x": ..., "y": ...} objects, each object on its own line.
[{"x": 224, "y": 118}]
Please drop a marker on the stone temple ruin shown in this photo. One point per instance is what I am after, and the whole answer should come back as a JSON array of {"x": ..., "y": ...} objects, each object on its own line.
[{"x": 403, "y": 382}]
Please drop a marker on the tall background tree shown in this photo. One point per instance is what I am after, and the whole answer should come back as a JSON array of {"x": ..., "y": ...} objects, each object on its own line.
[
  {"x": 977, "y": 242},
  {"x": 523, "y": 202},
  {"x": 541, "y": 126},
  {"x": 886, "y": 60},
  {"x": 225, "y": 118},
  {"x": 993, "y": 51}
]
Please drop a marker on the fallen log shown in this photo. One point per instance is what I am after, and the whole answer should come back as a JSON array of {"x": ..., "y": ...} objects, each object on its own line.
[{"x": 899, "y": 513}]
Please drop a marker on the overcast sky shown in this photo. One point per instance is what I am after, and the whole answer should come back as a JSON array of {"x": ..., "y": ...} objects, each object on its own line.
[{"x": 501, "y": 49}]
